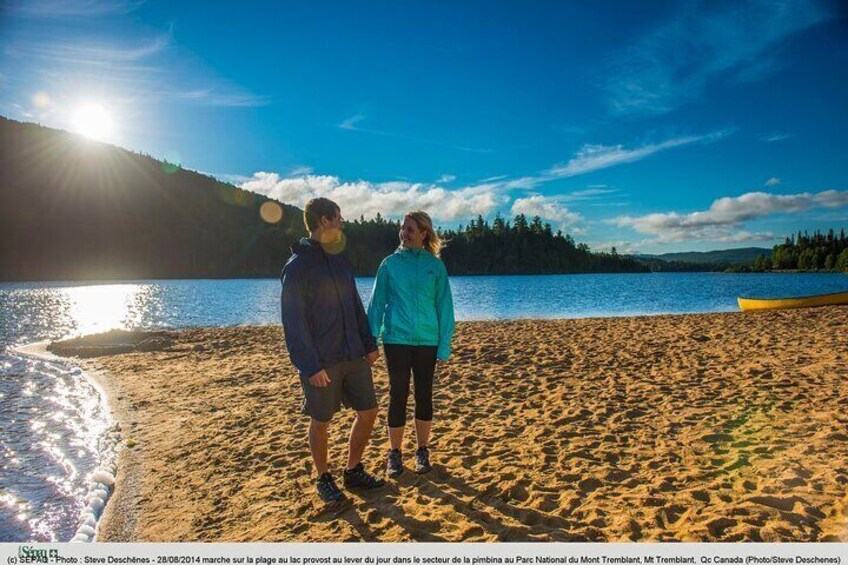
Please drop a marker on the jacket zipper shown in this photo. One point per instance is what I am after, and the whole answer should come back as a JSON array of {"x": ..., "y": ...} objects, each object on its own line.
[
  {"x": 417, "y": 299},
  {"x": 341, "y": 303}
]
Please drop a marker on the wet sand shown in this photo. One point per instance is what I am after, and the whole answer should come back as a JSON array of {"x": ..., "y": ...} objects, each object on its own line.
[{"x": 719, "y": 427}]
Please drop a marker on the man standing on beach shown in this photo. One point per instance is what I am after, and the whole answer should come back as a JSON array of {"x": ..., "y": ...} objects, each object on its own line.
[{"x": 330, "y": 344}]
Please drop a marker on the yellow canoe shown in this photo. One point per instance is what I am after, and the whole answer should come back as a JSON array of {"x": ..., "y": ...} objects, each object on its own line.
[{"x": 748, "y": 304}]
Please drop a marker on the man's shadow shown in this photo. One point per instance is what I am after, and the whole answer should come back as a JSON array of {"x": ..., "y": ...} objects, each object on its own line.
[
  {"x": 383, "y": 501},
  {"x": 493, "y": 517}
]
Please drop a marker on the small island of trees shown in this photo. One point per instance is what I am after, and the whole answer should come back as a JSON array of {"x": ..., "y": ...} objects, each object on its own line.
[{"x": 803, "y": 252}]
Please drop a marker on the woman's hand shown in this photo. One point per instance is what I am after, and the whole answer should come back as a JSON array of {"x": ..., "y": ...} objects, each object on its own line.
[{"x": 372, "y": 357}]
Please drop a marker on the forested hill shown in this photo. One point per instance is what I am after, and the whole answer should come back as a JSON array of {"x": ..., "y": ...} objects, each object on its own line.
[
  {"x": 72, "y": 208},
  {"x": 743, "y": 256},
  {"x": 75, "y": 209}
]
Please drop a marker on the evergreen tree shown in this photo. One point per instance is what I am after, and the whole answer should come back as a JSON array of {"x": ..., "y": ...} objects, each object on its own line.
[
  {"x": 842, "y": 261},
  {"x": 802, "y": 251}
]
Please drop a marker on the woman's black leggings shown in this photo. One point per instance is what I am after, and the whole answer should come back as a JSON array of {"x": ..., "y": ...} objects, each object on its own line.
[{"x": 421, "y": 361}]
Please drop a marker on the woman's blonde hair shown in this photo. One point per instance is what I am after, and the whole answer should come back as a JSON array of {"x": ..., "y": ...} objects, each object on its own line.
[{"x": 432, "y": 242}]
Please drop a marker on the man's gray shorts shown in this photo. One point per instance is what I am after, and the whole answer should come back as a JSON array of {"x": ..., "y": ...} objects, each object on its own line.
[{"x": 350, "y": 383}]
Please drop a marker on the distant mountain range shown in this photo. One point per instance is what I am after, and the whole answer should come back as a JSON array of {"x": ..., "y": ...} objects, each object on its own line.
[{"x": 742, "y": 256}]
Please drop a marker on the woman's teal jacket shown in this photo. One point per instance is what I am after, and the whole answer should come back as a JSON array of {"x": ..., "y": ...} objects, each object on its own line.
[{"x": 411, "y": 303}]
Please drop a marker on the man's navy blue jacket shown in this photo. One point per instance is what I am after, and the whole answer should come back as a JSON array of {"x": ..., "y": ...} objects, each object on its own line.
[{"x": 323, "y": 317}]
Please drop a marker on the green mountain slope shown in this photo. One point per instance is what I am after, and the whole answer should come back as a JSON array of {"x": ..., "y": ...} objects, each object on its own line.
[{"x": 71, "y": 208}]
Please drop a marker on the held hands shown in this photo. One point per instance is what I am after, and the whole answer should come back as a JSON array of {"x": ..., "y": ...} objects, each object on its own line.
[
  {"x": 372, "y": 357},
  {"x": 320, "y": 379}
]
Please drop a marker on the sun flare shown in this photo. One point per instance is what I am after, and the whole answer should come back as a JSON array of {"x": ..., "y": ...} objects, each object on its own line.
[{"x": 94, "y": 121}]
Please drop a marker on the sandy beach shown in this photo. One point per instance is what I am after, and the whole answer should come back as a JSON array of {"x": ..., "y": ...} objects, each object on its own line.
[{"x": 719, "y": 427}]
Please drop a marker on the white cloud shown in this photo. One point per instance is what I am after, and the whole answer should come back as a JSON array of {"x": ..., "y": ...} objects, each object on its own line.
[
  {"x": 588, "y": 194},
  {"x": 777, "y": 136},
  {"x": 595, "y": 157},
  {"x": 591, "y": 158},
  {"x": 218, "y": 97},
  {"x": 521, "y": 183},
  {"x": 390, "y": 199},
  {"x": 548, "y": 208},
  {"x": 723, "y": 221},
  {"x": 350, "y": 123},
  {"x": 73, "y": 8},
  {"x": 94, "y": 54},
  {"x": 675, "y": 63},
  {"x": 131, "y": 68},
  {"x": 773, "y": 181},
  {"x": 300, "y": 171},
  {"x": 234, "y": 179}
]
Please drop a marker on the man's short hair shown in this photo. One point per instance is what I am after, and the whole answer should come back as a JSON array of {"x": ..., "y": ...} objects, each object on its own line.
[{"x": 316, "y": 208}]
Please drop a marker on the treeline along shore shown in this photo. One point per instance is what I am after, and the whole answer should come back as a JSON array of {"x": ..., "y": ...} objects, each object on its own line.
[
  {"x": 826, "y": 252},
  {"x": 75, "y": 209}
]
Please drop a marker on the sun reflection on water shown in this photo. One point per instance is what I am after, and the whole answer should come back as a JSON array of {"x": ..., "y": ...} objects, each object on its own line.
[{"x": 100, "y": 308}]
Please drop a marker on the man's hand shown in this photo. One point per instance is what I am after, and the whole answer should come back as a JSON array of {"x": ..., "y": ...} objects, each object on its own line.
[
  {"x": 320, "y": 379},
  {"x": 372, "y": 357}
]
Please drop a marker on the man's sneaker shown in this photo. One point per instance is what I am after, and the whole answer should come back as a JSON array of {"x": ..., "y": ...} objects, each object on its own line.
[
  {"x": 394, "y": 466},
  {"x": 422, "y": 460},
  {"x": 358, "y": 477},
  {"x": 327, "y": 489}
]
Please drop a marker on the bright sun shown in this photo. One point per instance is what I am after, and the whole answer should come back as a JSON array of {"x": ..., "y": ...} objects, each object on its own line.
[{"x": 92, "y": 120}]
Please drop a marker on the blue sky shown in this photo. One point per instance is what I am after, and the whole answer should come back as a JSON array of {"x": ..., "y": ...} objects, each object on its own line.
[{"x": 651, "y": 126}]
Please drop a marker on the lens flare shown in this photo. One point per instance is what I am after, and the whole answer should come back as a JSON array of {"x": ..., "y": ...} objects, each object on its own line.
[
  {"x": 271, "y": 212},
  {"x": 172, "y": 163},
  {"x": 333, "y": 241},
  {"x": 41, "y": 100}
]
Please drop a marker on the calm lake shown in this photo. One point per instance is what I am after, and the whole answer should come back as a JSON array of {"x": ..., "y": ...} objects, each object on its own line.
[{"x": 52, "y": 422}]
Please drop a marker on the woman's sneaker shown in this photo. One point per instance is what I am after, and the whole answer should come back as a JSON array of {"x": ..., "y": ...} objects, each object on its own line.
[
  {"x": 422, "y": 460},
  {"x": 394, "y": 466},
  {"x": 358, "y": 477},
  {"x": 327, "y": 489}
]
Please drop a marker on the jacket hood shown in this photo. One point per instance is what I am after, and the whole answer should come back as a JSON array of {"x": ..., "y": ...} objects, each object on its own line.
[
  {"x": 306, "y": 245},
  {"x": 402, "y": 249}
]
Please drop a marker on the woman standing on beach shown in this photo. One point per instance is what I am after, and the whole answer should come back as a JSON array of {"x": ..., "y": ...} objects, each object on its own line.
[{"x": 411, "y": 312}]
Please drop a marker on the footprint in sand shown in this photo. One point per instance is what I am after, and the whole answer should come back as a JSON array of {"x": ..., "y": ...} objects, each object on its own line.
[
  {"x": 786, "y": 504},
  {"x": 717, "y": 438},
  {"x": 672, "y": 513},
  {"x": 794, "y": 482},
  {"x": 700, "y": 495},
  {"x": 589, "y": 485},
  {"x": 617, "y": 476},
  {"x": 719, "y": 525},
  {"x": 519, "y": 492},
  {"x": 749, "y": 485},
  {"x": 546, "y": 504}
]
